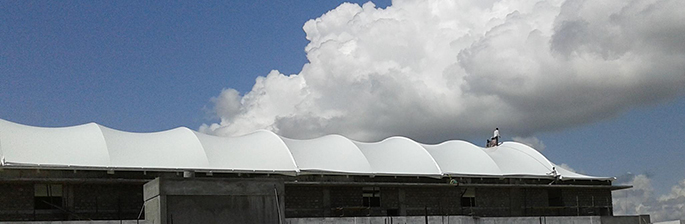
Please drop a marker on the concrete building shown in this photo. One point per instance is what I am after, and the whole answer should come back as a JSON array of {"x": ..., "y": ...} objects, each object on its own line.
[{"x": 91, "y": 172}]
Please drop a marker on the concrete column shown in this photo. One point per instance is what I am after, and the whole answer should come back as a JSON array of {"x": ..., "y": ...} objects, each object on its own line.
[
  {"x": 155, "y": 203},
  {"x": 403, "y": 207},
  {"x": 326, "y": 202},
  {"x": 516, "y": 202},
  {"x": 68, "y": 195}
]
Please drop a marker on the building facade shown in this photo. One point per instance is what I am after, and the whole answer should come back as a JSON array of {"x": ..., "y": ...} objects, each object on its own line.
[
  {"x": 91, "y": 172},
  {"x": 39, "y": 195}
]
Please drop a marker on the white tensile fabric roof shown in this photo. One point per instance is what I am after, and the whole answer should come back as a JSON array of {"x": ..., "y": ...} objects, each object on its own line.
[{"x": 93, "y": 146}]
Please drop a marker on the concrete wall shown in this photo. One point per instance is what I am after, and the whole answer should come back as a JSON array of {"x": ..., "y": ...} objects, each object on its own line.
[
  {"x": 642, "y": 219},
  {"x": 671, "y": 222},
  {"x": 105, "y": 201},
  {"x": 80, "y": 201},
  {"x": 99, "y": 195},
  {"x": 422, "y": 220},
  {"x": 81, "y": 222},
  {"x": 335, "y": 201},
  {"x": 214, "y": 200},
  {"x": 470, "y": 220},
  {"x": 16, "y": 202}
]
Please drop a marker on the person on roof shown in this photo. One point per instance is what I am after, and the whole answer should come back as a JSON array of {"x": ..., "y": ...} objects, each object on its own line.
[
  {"x": 494, "y": 140},
  {"x": 495, "y": 136},
  {"x": 556, "y": 175}
]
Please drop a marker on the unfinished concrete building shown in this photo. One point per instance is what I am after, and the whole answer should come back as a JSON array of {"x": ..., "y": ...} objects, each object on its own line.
[{"x": 91, "y": 172}]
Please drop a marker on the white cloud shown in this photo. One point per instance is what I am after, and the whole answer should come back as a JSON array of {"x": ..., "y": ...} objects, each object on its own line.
[
  {"x": 438, "y": 70},
  {"x": 533, "y": 142},
  {"x": 640, "y": 199},
  {"x": 567, "y": 167}
]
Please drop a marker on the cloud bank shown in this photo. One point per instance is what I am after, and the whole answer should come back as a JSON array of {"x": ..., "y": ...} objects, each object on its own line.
[
  {"x": 438, "y": 70},
  {"x": 533, "y": 142},
  {"x": 641, "y": 200}
]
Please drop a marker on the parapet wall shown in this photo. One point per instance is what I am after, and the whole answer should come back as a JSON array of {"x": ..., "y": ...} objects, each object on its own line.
[{"x": 215, "y": 200}]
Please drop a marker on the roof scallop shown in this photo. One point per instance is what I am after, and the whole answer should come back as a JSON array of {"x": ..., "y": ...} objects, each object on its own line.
[{"x": 93, "y": 146}]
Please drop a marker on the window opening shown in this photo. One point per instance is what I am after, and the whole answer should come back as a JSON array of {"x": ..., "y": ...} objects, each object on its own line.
[
  {"x": 371, "y": 196},
  {"x": 468, "y": 197},
  {"x": 47, "y": 196}
]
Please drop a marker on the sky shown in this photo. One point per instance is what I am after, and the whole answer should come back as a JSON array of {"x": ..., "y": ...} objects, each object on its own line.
[{"x": 596, "y": 86}]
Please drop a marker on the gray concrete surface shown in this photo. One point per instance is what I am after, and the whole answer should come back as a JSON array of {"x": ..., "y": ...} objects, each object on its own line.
[
  {"x": 468, "y": 220},
  {"x": 81, "y": 222},
  {"x": 642, "y": 219},
  {"x": 671, "y": 222},
  {"x": 203, "y": 200}
]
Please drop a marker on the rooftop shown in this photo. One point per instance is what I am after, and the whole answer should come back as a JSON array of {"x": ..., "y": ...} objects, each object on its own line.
[{"x": 95, "y": 147}]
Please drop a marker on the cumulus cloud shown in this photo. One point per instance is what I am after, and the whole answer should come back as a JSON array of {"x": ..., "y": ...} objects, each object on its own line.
[
  {"x": 443, "y": 69},
  {"x": 567, "y": 167},
  {"x": 533, "y": 142},
  {"x": 641, "y": 200}
]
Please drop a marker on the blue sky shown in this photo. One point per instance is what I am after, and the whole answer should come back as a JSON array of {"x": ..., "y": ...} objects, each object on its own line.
[
  {"x": 150, "y": 66},
  {"x": 69, "y": 62}
]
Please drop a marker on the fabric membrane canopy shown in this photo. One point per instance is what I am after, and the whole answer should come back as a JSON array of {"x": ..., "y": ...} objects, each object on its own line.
[{"x": 93, "y": 146}]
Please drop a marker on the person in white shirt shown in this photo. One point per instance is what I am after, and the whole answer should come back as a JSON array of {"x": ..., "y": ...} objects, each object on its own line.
[{"x": 495, "y": 136}]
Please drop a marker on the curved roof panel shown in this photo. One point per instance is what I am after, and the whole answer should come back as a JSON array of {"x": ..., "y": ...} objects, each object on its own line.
[
  {"x": 81, "y": 145},
  {"x": 257, "y": 151},
  {"x": 516, "y": 159},
  {"x": 399, "y": 156},
  {"x": 463, "y": 158},
  {"x": 177, "y": 148},
  {"x": 567, "y": 174},
  {"x": 330, "y": 153},
  {"x": 94, "y": 146}
]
